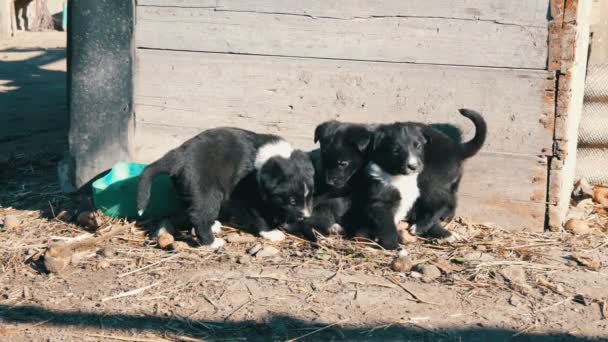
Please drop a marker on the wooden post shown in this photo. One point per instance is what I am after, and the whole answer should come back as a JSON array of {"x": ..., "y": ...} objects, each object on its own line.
[
  {"x": 569, "y": 42},
  {"x": 100, "y": 86},
  {"x": 5, "y": 19}
]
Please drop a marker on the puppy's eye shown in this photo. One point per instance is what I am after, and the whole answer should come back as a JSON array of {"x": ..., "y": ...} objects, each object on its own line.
[
  {"x": 417, "y": 145},
  {"x": 395, "y": 150},
  {"x": 292, "y": 201},
  {"x": 343, "y": 163}
]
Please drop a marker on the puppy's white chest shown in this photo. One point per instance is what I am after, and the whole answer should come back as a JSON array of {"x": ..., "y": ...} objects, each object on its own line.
[
  {"x": 407, "y": 185},
  {"x": 409, "y": 192}
]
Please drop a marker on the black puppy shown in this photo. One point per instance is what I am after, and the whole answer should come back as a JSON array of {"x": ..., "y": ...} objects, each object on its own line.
[
  {"x": 443, "y": 157},
  {"x": 344, "y": 149},
  {"x": 209, "y": 167},
  {"x": 389, "y": 187}
]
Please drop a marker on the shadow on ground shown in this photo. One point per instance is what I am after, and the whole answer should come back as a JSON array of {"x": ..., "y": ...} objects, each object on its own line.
[
  {"x": 277, "y": 327},
  {"x": 35, "y": 123}
]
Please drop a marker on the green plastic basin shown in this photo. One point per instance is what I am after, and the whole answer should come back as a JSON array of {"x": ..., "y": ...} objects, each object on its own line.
[{"x": 115, "y": 194}]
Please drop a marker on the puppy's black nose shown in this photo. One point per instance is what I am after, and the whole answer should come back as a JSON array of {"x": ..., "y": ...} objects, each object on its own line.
[{"x": 413, "y": 165}]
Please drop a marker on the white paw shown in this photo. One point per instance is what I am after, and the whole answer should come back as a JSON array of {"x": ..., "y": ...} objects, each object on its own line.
[
  {"x": 273, "y": 235},
  {"x": 336, "y": 229},
  {"x": 451, "y": 239},
  {"x": 216, "y": 227},
  {"x": 217, "y": 243},
  {"x": 413, "y": 229},
  {"x": 402, "y": 252}
]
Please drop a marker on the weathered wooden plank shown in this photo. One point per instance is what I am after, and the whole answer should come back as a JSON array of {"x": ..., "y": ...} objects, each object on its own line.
[
  {"x": 393, "y": 39},
  {"x": 510, "y": 215},
  {"x": 292, "y": 95},
  {"x": 487, "y": 175},
  {"x": 522, "y": 12},
  {"x": 574, "y": 43}
]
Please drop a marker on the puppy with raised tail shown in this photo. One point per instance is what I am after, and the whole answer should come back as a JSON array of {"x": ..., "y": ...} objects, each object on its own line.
[{"x": 222, "y": 170}]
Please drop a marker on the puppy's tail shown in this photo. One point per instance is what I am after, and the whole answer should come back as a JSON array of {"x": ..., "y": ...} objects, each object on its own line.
[
  {"x": 144, "y": 184},
  {"x": 473, "y": 146}
]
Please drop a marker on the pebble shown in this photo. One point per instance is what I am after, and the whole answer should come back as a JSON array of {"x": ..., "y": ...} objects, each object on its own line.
[
  {"x": 428, "y": 272},
  {"x": 11, "y": 221},
  {"x": 244, "y": 259},
  {"x": 267, "y": 251},
  {"x": 415, "y": 275},
  {"x": 108, "y": 252},
  {"x": 401, "y": 264},
  {"x": 56, "y": 259},
  {"x": 577, "y": 227},
  {"x": 514, "y": 274},
  {"x": 256, "y": 248},
  {"x": 103, "y": 264},
  {"x": 87, "y": 219}
]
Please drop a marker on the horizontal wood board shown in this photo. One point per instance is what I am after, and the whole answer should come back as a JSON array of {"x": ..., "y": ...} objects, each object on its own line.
[
  {"x": 248, "y": 29},
  {"x": 520, "y": 12},
  {"x": 290, "y": 96}
]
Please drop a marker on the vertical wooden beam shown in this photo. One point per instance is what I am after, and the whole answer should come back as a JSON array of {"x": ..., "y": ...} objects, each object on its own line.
[
  {"x": 5, "y": 19},
  {"x": 568, "y": 57},
  {"x": 100, "y": 86}
]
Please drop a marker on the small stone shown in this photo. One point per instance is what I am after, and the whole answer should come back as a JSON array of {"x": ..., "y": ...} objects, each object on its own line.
[
  {"x": 64, "y": 215},
  {"x": 256, "y": 248},
  {"x": 404, "y": 235},
  {"x": 108, "y": 252},
  {"x": 415, "y": 275},
  {"x": 11, "y": 221},
  {"x": 87, "y": 219},
  {"x": 401, "y": 264},
  {"x": 267, "y": 251},
  {"x": 514, "y": 274},
  {"x": 577, "y": 227},
  {"x": 428, "y": 272},
  {"x": 600, "y": 195},
  {"x": 238, "y": 238},
  {"x": 560, "y": 288},
  {"x": 179, "y": 246},
  {"x": 165, "y": 240},
  {"x": 103, "y": 264},
  {"x": 515, "y": 301},
  {"x": 244, "y": 259},
  {"x": 56, "y": 259}
]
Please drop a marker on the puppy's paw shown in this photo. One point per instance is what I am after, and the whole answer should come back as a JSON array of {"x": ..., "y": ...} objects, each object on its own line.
[
  {"x": 274, "y": 235},
  {"x": 453, "y": 237},
  {"x": 216, "y": 227},
  {"x": 402, "y": 251},
  {"x": 413, "y": 230},
  {"x": 217, "y": 243},
  {"x": 336, "y": 229}
]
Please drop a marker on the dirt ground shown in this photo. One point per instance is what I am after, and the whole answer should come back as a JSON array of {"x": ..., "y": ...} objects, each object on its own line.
[{"x": 119, "y": 285}]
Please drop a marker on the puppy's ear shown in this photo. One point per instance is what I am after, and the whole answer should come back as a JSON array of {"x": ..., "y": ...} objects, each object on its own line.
[
  {"x": 377, "y": 137},
  {"x": 362, "y": 139},
  {"x": 325, "y": 129},
  {"x": 304, "y": 162},
  {"x": 424, "y": 131}
]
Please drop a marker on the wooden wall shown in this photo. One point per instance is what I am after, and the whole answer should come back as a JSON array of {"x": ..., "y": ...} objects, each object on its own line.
[{"x": 285, "y": 66}]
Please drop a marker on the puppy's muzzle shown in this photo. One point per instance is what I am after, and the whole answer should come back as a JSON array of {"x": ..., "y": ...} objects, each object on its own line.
[{"x": 412, "y": 166}]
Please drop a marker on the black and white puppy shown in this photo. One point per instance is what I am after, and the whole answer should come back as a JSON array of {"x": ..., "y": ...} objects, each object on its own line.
[
  {"x": 390, "y": 186},
  {"x": 209, "y": 167},
  {"x": 443, "y": 157},
  {"x": 343, "y": 152}
]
